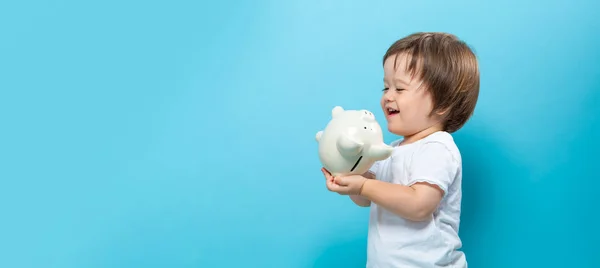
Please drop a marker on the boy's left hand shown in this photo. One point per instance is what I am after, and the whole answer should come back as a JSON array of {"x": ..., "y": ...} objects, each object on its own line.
[{"x": 346, "y": 185}]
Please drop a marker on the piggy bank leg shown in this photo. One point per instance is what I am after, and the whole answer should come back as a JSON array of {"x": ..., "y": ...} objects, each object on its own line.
[
  {"x": 348, "y": 146},
  {"x": 318, "y": 136},
  {"x": 380, "y": 152}
]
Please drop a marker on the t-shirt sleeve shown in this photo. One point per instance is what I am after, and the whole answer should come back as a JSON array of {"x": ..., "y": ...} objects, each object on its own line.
[{"x": 433, "y": 163}]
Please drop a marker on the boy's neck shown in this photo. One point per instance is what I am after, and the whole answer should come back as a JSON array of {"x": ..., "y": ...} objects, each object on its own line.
[{"x": 421, "y": 134}]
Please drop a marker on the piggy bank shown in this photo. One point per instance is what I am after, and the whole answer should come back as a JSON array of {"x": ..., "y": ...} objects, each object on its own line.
[{"x": 351, "y": 142}]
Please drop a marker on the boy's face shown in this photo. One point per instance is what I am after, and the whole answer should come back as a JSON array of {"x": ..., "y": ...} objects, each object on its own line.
[{"x": 405, "y": 102}]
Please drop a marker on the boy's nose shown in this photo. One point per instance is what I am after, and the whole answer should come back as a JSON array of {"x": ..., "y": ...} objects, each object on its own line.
[{"x": 388, "y": 96}]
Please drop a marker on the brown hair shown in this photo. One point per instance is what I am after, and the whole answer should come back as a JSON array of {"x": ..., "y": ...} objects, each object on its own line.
[{"x": 448, "y": 69}]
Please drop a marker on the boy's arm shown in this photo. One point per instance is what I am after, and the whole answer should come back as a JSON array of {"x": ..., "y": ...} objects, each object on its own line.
[
  {"x": 416, "y": 202},
  {"x": 359, "y": 200},
  {"x": 432, "y": 170}
]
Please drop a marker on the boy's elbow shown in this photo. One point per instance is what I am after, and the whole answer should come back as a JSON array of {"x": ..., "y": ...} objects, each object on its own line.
[
  {"x": 424, "y": 206},
  {"x": 420, "y": 214}
]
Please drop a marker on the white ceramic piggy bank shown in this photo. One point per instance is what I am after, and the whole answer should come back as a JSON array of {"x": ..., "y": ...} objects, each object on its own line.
[{"x": 351, "y": 142}]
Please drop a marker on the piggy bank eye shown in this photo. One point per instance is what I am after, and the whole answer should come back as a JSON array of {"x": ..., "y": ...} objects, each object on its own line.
[{"x": 365, "y": 127}]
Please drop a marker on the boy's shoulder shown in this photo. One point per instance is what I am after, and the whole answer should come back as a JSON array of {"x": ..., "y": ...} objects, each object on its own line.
[
  {"x": 441, "y": 141},
  {"x": 441, "y": 137}
]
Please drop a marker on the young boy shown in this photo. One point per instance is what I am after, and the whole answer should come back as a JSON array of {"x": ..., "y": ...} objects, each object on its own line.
[{"x": 431, "y": 85}]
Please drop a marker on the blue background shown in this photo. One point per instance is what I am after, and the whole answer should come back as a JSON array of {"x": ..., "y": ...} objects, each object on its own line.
[{"x": 181, "y": 133}]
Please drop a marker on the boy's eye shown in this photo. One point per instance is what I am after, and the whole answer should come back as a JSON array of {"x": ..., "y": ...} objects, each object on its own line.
[{"x": 397, "y": 90}]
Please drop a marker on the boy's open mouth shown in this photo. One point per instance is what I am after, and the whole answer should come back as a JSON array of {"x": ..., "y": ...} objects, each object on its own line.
[{"x": 391, "y": 111}]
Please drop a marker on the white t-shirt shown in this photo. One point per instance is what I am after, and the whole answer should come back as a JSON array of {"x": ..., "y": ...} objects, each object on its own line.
[{"x": 397, "y": 242}]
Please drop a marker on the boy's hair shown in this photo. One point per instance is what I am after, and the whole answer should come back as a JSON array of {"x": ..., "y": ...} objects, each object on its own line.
[{"x": 448, "y": 69}]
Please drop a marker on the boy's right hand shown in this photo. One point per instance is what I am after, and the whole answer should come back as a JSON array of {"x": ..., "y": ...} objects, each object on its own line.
[
  {"x": 345, "y": 185},
  {"x": 330, "y": 180},
  {"x": 334, "y": 187}
]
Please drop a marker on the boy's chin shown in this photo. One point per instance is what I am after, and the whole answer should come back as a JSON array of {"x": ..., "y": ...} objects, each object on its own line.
[{"x": 396, "y": 130}]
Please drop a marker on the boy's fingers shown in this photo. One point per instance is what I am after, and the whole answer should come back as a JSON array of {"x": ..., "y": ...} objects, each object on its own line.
[
  {"x": 332, "y": 186},
  {"x": 341, "y": 181},
  {"x": 327, "y": 174},
  {"x": 338, "y": 189},
  {"x": 332, "y": 183}
]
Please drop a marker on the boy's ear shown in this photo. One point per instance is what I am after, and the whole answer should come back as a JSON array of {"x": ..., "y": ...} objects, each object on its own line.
[{"x": 442, "y": 111}]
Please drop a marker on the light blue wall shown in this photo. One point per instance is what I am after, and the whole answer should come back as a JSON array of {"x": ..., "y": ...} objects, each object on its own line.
[{"x": 181, "y": 134}]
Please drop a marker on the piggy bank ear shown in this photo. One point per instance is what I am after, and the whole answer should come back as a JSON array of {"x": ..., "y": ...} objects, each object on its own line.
[
  {"x": 349, "y": 146},
  {"x": 337, "y": 110}
]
